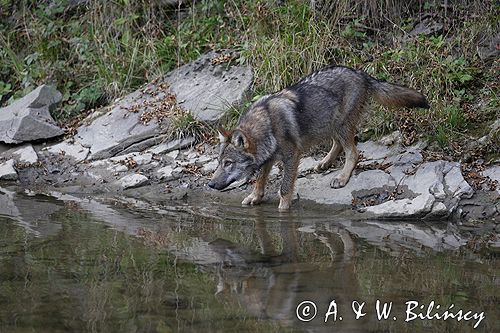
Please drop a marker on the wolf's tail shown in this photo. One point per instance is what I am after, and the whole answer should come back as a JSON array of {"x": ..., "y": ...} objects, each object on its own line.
[{"x": 390, "y": 94}]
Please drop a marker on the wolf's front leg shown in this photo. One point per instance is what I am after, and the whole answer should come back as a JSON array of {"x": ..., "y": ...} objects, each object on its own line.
[
  {"x": 257, "y": 194},
  {"x": 290, "y": 167}
]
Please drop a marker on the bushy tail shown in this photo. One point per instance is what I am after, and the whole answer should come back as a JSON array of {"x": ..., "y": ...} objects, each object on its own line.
[{"x": 389, "y": 94}]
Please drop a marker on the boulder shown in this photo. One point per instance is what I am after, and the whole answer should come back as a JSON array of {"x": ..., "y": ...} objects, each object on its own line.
[
  {"x": 7, "y": 171},
  {"x": 316, "y": 187},
  {"x": 435, "y": 188},
  {"x": 29, "y": 119},
  {"x": 211, "y": 84},
  {"x": 206, "y": 88},
  {"x": 401, "y": 184},
  {"x": 133, "y": 180},
  {"x": 493, "y": 173},
  {"x": 25, "y": 154},
  {"x": 72, "y": 150}
]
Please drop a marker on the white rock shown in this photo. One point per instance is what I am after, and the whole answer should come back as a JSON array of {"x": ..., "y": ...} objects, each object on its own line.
[
  {"x": 392, "y": 138},
  {"x": 73, "y": 150},
  {"x": 133, "y": 180},
  {"x": 165, "y": 172},
  {"x": 7, "y": 171},
  {"x": 317, "y": 187},
  {"x": 209, "y": 167},
  {"x": 376, "y": 151},
  {"x": 307, "y": 164},
  {"x": 456, "y": 184},
  {"x": 173, "y": 154},
  {"x": 204, "y": 159},
  {"x": 140, "y": 159},
  {"x": 26, "y": 154},
  {"x": 118, "y": 167},
  {"x": 173, "y": 145}
]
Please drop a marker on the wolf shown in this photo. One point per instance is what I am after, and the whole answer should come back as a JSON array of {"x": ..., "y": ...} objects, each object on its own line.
[{"x": 325, "y": 105}]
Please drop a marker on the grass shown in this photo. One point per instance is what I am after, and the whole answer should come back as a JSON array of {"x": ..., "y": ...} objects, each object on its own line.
[{"x": 111, "y": 48}]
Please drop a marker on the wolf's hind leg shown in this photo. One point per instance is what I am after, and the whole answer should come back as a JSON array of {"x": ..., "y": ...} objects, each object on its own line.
[
  {"x": 328, "y": 160},
  {"x": 257, "y": 194},
  {"x": 351, "y": 158}
]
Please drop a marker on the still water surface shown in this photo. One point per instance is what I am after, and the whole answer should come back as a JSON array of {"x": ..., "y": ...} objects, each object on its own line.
[{"x": 122, "y": 265}]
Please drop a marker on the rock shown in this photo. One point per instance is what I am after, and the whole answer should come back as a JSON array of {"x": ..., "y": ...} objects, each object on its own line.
[
  {"x": 209, "y": 167},
  {"x": 390, "y": 139},
  {"x": 75, "y": 151},
  {"x": 173, "y": 154},
  {"x": 133, "y": 180},
  {"x": 376, "y": 152},
  {"x": 436, "y": 188},
  {"x": 173, "y": 145},
  {"x": 306, "y": 165},
  {"x": 120, "y": 128},
  {"x": 140, "y": 146},
  {"x": 7, "y": 171},
  {"x": 493, "y": 173},
  {"x": 25, "y": 154},
  {"x": 136, "y": 121},
  {"x": 411, "y": 157},
  {"x": 165, "y": 172},
  {"x": 207, "y": 88},
  {"x": 317, "y": 187},
  {"x": 204, "y": 159},
  {"x": 140, "y": 159},
  {"x": 29, "y": 119}
]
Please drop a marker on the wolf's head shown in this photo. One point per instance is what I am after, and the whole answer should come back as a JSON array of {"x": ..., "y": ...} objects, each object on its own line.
[{"x": 236, "y": 159}]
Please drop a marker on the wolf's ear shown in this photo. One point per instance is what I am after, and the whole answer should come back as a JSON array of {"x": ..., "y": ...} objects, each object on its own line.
[
  {"x": 239, "y": 139},
  {"x": 224, "y": 136},
  {"x": 242, "y": 141}
]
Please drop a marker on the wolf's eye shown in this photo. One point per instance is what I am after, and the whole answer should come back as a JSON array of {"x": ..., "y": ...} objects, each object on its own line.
[{"x": 227, "y": 163}]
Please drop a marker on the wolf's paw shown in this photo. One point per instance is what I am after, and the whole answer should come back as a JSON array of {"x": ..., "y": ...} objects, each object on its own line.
[
  {"x": 338, "y": 182},
  {"x": 252, "y": 199},
  {"x": 284, "y": 206}
]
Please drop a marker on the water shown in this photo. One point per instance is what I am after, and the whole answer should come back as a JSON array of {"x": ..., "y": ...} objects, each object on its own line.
[{"x": 121, "y": 265}]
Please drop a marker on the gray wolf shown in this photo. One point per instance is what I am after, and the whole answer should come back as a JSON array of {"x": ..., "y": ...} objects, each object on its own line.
[{"x": 325, "y": 105}]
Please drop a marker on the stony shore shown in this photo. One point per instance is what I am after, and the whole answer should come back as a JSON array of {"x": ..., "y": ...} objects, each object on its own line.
[{"x": 126, "y": 147}]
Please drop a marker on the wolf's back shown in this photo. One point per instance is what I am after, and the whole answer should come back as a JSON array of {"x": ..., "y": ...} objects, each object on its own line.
[{"x": 390, "y": 94}]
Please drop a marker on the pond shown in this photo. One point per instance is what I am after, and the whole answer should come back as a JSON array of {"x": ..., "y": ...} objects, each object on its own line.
[{"x": 73, "y": 264}]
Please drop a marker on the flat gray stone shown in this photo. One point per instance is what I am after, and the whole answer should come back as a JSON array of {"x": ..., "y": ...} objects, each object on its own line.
[
  {"x": 376, "y": 152},
  {"x": 437, "y": 188},
  {"x": 25, "y": 154},
  {"x": 209, "y": 167},
  {"x": 317, "y": 187},
  {"x": 165, "y": 172},
  {"x": 74, "y": 150},
  {"x": 7, "y": 171},
  {"x": 494, "y": 174},
  {"x": 203, "y": 88},
  {"x": 170, "y": 146},
  {"x": 392, "y": 138},
  {"x": 133, "y": 180},
  {"x": 206, "y": 89},
  {"x": 120, "y": 128},
  {"x": 141, "y": 145},
  {"x": 307, "y": 165},
  {"x": 29, "y": 119},
  {"x": 140, "y": 159}
]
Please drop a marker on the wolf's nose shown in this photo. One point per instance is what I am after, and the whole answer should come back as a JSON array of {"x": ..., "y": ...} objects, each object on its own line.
[{"x": 211, "y": 184}]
